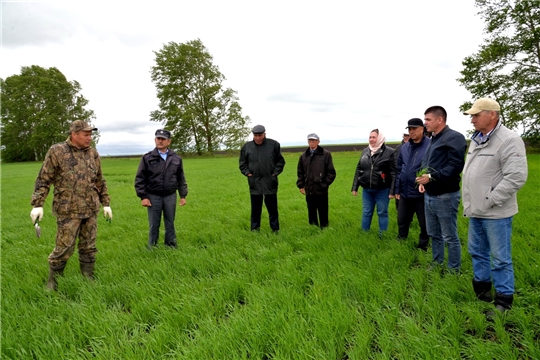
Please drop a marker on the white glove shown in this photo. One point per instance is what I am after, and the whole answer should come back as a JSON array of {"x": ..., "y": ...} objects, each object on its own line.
[
  {"x": 36, "y": 214},
  {"x": 107, "y": 212}
]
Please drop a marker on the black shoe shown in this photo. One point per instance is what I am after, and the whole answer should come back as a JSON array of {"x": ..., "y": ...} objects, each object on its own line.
[{"x": 498, "y": 311}]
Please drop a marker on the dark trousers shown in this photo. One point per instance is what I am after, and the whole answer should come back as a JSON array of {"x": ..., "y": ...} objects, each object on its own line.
[
  {"x": 165, "y": 205},
  {"x": 318, "y": 204},
  {"x": 270, "y": 201},
  {"x": 406, "y": 210}
]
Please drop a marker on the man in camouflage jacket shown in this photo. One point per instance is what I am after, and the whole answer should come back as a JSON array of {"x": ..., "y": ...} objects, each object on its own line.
[{"x": 74, "y": 168}]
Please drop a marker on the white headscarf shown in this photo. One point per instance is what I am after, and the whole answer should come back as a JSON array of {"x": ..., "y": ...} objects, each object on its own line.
[{"x": 380, "y": 141}]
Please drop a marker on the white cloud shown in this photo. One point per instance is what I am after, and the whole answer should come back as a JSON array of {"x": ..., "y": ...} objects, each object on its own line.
[{"x": 336, "y": 68}]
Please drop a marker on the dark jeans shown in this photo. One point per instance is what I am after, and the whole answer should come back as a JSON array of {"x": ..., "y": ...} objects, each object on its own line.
[
  {"x": 317, "y": 203},
  {"x": 406, "y": 210},
  {"x": 165, "y": 205},
  {"x": 256, "y": 210}
]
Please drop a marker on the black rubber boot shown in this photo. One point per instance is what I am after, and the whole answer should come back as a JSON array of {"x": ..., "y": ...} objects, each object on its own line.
[
  {"x": 51, "y": 281},
  {"x": 503, "y": 302},
  {"x": 87, "y": 269},
  {"x": 482, "y": 289}
]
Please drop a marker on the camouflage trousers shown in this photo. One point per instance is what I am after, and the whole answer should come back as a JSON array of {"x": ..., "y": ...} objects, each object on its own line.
[{"x": 66, "y": 236}]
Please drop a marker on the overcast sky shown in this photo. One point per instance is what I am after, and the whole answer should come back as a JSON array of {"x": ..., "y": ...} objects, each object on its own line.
[{"x": 337, "y": 68}]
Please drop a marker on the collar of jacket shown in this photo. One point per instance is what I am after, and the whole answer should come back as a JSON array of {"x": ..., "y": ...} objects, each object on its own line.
[
  {"x": 318, "y": 150},
  {"x": 379, "y": 150},
  {"x": 476, "y": 133},
  {"x": 424, "y": 138},
  {"x": 155, "y": 152}
]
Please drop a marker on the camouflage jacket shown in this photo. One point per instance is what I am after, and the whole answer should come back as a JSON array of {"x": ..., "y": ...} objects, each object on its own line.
[{"x": 79, "y": 187}]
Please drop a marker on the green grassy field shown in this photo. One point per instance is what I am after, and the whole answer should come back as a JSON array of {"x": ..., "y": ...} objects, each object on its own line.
[{"x": 228, "y": 293}]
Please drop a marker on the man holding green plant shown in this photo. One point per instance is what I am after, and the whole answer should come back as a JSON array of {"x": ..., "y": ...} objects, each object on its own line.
[
  {"x": 495, "y": 169},
  {"x": 73, "y": 167},
  {"x": 439, "y": 180}
]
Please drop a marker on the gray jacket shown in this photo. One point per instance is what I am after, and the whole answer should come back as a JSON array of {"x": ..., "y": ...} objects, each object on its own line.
[{"x": 494, "y": 172}]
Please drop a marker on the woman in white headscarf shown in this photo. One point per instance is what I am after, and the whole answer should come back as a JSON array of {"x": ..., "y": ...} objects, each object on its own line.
[{"x": 375, "y": 173}]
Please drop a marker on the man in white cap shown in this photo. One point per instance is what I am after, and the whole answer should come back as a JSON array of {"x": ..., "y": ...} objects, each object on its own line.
[
  {"x": 261, "y": 162},
  {"x": 495, "y": 169},
  {"x": 316, "y": 173},
  {"x": 73, "y": 167}
]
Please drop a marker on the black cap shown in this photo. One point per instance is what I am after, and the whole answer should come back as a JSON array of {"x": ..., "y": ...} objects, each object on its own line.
[
  {"x": 166, "y": 134},
  {"x": 415, "y": 122},
  {"x": 258, "y": 129}
]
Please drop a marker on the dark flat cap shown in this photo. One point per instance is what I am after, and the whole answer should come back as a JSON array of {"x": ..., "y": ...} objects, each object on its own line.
[
  {"x": 166, "y": 134},
  {"x": 258, "y": 129}
]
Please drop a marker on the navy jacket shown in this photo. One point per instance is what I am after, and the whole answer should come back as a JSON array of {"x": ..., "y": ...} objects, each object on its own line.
[
  {"x": 409, "y": 162},
  {"x": 444, "y": 160},
  {"x": 159, "y": 177}
]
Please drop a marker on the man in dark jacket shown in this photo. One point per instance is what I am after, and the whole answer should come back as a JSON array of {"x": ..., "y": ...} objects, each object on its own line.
[
  {"x": 441, "y": 168},
  {"x": 159, "y": 177},
  {"x": 261, "y": 162},
  {"x": 411, "y": 200},
  {"x": 315, "y": 174}
]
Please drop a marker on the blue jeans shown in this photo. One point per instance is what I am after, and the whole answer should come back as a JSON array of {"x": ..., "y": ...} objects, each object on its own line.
[
  {"x": 491, "y": 251},
  {"x": 441, "y": 224},
  {"x": 370, "y": 198}
]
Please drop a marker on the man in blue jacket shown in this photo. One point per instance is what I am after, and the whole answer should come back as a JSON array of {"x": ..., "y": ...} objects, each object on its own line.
[
  {"x": 411, "y": 200},
  {"x": 261, "y": 162},
  {"x": 159, "y": 176},
  {"x": 441, "y": 167}
]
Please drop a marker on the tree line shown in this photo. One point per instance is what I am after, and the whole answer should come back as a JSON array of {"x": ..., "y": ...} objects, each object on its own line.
[{"x": 204, "y": 116}]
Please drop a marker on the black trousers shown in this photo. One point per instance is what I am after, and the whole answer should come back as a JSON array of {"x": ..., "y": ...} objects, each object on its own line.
[
  {"x": 317, "y": 204},
  {"x": 406, "y": 210},
  {"x": 270, "y": 201}
]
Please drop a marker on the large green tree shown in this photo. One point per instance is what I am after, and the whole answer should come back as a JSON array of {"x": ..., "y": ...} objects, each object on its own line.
[
  {"x": 507, "y": 65},
  {"x": 193, "y": 103},
  {"x": 38, "y": 107}
]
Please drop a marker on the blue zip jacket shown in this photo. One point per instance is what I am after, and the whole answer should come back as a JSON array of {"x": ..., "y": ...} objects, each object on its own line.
[
  {"x": 409, "y": 162},
  {"x": 444, "y": 160}
]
